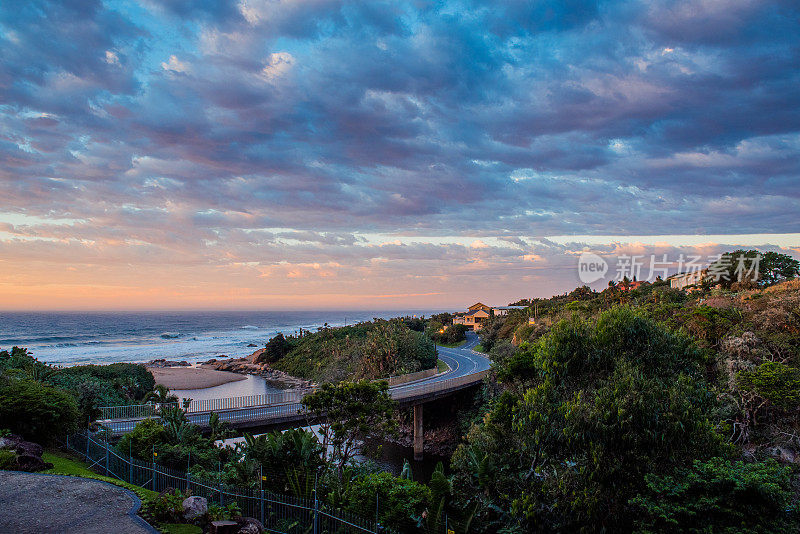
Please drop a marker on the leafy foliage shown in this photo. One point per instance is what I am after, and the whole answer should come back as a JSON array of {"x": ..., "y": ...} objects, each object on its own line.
[
  {"x": 36, "y": 411},
  {"x": 401, "y": 500},
  {"x": 352, "y": 412},
  {"x": 719, "y": 496},
  {"x": 774, "y": 382},
  {"x": 604, "y": 403},
  {"x": 376, "y": 349}
]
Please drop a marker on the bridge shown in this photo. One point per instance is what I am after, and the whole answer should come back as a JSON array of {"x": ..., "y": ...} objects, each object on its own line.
[{"x": 467, "y": 368}]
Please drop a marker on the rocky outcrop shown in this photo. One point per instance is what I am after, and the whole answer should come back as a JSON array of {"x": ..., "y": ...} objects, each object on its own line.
[
  {"x": 195, "y": 508},
  {"x": 29, "y": 454},
  {"x": 251, "y": 366},
  {"x": 167, "y": 363}
]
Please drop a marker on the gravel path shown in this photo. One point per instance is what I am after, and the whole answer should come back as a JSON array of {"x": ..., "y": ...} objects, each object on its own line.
[{"x": 33, "y": 503}]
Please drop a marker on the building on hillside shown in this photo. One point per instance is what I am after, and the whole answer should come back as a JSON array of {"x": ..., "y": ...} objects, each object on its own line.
[
  {"x": 629, "y": 286},
  {"x": 686, "y": 281},
  {"x": 477, "y": 315},
  {"x": 504, "y": 310}
]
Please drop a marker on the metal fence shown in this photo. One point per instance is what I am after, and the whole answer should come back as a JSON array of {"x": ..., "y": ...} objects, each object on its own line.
[
  {"x": 142, "y": 411},
  {"x": 283, "y": 514}
]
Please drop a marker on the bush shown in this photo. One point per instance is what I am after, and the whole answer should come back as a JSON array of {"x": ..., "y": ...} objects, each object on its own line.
[
  {"x": 452, "y": 334},
  {"x": 141, "y": 441},
  {"x": 401, "y": 500},
  {"x": 8, "y": 459},
  {"x": 166, "y": 507},
  {"x": 37, "y": 412},
  {"x": 775, "y": 382},
  {"x": 719, "y": 496}
]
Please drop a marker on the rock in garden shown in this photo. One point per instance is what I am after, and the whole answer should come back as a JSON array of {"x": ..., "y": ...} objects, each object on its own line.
[
  {"x": 249, "y": 525},
  {"x": 194, "y": 508},
  {"x": 31, "y": 463}
]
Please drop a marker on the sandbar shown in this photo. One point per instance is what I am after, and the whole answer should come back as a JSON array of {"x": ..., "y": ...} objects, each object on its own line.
[{"x": 192, "y": 377}]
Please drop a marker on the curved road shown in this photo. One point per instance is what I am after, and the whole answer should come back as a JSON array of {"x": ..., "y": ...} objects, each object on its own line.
[
  {"x": 466, "y": 368},
  {"x": 463, "y": 361}
]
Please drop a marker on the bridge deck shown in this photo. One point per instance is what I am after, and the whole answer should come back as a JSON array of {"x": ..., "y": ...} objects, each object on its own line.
[{"x": 467, "y": 368}]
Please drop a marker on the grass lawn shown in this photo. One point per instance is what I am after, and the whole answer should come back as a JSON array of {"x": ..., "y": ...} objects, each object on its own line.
[
  {"x": 452, "y": 345},
  {"x": 67, "y": 464},
  {"x": 479, "y": 348},
  {"x": 441, "y": 366}
]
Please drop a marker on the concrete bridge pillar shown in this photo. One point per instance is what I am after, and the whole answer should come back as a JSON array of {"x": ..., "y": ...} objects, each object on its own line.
[{"x": 418, "y": 435}]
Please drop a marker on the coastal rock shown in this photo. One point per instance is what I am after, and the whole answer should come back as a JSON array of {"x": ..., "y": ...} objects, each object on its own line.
[
  {"x": 252, "y": 345},
  {"x": 167, "y": 363},
  {"x": 249, "y": 525},
  {"x": 194, "y": 507}
]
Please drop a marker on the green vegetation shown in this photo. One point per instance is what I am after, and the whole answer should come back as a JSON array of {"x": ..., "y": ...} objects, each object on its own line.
[
  {"x": 719, "y": 496},
  {"x": 642, "y": 410},
  {"x": 353, "y": 412},
  {"x": 447, "y": 335},
  {"x": 91, "y": 386},
  {"x": 625, "y": 410},
  {"x": 370, "y": 350},
  {"x": 744, "y": 268},
  {"x": 38, "y": 412}
]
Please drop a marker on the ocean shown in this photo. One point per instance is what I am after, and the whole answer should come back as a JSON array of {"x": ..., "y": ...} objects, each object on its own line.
[{"x": 75, "y": 338}]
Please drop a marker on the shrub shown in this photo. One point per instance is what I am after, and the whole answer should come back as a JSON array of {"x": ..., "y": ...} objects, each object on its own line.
[
  {"x": 37, "y": 412},
  {"x": 719, "y": 496},
  {"x": 141, "y": 441},
  {"x": 8, "y": 459},
  {"x": 775, "y": 382},
  {"x": 166, "y": 507},
  {"x": 400, "y": 500}
]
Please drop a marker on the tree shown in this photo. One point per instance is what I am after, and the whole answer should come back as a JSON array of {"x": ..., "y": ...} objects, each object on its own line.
[
  {"x": 291, "y": 459},
  {"x": 400, "y": 501},
  {"x": 160, "y": 395},
  {"x": 275, "y": 349},
  {"x": 602, "y": 404},
  {"x": 776, "y": 267},
  {"x": 36, "y": 411},
  {"x": 742, "y": 266},
  {"x": 351, "y": 413}
]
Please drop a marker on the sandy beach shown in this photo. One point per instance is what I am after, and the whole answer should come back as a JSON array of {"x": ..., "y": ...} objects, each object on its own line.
[{"x": 192, "y": 377}]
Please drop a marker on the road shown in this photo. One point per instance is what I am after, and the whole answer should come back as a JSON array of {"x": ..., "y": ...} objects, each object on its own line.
[
  {"x": 463, "y": 361},
  {"x": 466, "y": 368}
]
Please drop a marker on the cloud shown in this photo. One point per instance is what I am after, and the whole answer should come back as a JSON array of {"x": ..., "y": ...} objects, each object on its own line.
[{"x": 265, "y": 131}]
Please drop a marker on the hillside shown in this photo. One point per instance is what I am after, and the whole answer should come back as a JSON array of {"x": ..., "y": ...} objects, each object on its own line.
[{"x": 374, "y": 349}]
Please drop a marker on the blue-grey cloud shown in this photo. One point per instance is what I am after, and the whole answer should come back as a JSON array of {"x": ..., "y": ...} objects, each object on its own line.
[{"x": 343, "y": 118}]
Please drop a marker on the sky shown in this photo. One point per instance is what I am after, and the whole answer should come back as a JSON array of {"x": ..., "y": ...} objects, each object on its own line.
[{"x": 326, "y": 154}]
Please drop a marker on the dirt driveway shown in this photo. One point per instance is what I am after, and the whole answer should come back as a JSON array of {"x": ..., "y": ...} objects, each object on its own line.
[{"x": 33, "y": 503}]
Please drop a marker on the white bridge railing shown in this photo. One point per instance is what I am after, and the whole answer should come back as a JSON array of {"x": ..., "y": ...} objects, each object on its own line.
[{"x": 142, "y": 411}]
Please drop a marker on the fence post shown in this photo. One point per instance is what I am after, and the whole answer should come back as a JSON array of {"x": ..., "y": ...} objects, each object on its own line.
[
  {"x": 153, "y": 478},
  {"x": 88, "y": 439},
  {"x": 262, "y": 507},
  {"x": 130, "y": 461},
  {"x": 377, "y": 507},
  {"x": 105, "y": 446},
  {"x": 316, "y": 508}
]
